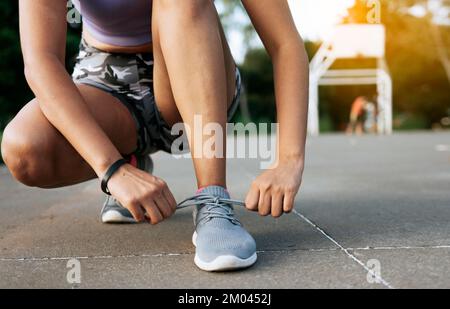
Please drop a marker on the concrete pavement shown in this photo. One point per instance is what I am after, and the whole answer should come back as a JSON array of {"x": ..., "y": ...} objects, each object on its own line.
[{"x": 365, "y": 202}]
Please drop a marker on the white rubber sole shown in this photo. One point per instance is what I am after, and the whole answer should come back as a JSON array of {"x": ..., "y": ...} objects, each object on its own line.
[
  {"x": 113, "y": 216},
  {"x": 223, "y": 262}
]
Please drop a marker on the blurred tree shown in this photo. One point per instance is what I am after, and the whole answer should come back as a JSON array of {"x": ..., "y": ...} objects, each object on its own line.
[
  {"x": 257, "y": 74},
  {"x": 421, "y": 89},
  {"x": 258, "y": 79},
  {"x": 12, "y": 83},
  {"x": 414, "y": 53},
  {"x": 421, "y": 86},
  {"x": 230, "y": 9},
  {"x": 14, "y": 90},
  {"x": 415, "y": 58}
]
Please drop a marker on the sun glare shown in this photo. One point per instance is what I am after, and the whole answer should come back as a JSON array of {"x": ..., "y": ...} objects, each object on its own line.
[{"x": 315, "y": 18}]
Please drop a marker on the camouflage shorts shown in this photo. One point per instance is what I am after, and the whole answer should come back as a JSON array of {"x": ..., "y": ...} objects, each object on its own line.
[{"x": 129, "y": 77}]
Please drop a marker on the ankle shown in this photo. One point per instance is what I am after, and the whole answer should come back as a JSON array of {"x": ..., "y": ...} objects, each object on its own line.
[{"x": 214, "y": 190}]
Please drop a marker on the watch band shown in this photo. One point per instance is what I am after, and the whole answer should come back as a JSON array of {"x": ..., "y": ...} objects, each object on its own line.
[{"x": 109, "y": 173}]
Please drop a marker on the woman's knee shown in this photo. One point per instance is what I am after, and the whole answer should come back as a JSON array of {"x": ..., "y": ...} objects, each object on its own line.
[{"x": 24, "y": 156}]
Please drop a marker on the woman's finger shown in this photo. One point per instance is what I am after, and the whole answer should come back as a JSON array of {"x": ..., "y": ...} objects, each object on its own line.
[
  {"x": 264, "y": 204},
  {"x": 170, "y": 199},
  {"x": 136, "y": 211},
  {"x": 277, "y": 205},
  {"x": 163, "y": 206},
  {"x": 251, "y": 201},
  {"x": 153, "y": 212},
  {"x": 288, "y": 202}
]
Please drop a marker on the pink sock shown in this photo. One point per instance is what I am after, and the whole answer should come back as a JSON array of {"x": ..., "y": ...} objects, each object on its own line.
[{"x": 133, "y": 160}]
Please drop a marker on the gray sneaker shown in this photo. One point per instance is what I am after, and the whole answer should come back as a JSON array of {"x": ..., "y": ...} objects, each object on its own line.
[
  {"x": 112, "y": 211},
  {"x": 221, "y": 242}
]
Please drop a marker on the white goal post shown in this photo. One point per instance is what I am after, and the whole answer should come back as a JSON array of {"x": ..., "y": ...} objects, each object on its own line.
[{"x": 351, "y": 42}]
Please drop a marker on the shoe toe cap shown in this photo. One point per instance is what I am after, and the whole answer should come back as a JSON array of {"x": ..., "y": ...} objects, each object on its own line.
[{"x": 212, "y": 245}]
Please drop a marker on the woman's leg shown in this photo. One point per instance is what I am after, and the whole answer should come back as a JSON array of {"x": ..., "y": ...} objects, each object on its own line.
[
  {"x": 194, "y": 73},
  {"x": 38, "y": 155}
]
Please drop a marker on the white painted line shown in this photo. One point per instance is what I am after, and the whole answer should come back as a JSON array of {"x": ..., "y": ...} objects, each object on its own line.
[
  {"x": 400, "y": 248},
  {"x": 346, "y": 251},
  {"x": 102, "y": 257},
  {"x": 105, "y": 257},
  {"x": 298, "y": 250},
  {"x": 95, "y": 257}
]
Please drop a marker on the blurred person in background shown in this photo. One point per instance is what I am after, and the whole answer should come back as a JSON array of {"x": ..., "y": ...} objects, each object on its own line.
[{"x": 363, "y": 116}]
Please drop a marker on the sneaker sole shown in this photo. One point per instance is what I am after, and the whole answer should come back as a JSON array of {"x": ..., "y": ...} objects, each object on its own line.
[
  {"x": 116, "y": 217},
  {"x": 223, "y": 262}
]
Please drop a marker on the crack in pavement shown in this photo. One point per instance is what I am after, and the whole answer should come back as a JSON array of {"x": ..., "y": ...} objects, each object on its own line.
[{"x": 346, "y": 251}]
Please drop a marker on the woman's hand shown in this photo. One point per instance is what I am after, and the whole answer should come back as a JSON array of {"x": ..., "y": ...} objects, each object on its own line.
[
  {"x": 274, "y": 191},
  {"x": 147, "y": 197}
]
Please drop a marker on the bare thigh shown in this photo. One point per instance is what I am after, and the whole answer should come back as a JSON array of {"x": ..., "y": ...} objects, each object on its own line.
[{"x": 37, "y": 154}]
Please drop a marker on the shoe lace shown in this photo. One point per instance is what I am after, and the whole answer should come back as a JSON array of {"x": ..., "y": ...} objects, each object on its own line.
[{"x": 214, "y": 207}]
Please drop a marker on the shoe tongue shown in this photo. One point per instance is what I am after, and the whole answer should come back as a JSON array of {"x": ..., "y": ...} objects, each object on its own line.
[{"x": 216, "y": 191}]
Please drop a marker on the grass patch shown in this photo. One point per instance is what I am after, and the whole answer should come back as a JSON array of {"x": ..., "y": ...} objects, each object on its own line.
[{"x": 407, "y": 122}]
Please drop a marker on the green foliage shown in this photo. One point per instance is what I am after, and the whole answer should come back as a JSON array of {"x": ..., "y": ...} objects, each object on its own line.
[
  {"x": 14, "y": 90},
  {"x": 421, "y": 87},
  {"x": 230, "y": 9},
  {"x": 258, "y": 79},
  {"x": 408, "y": 121},
  {"x": 12, "y": 83}
]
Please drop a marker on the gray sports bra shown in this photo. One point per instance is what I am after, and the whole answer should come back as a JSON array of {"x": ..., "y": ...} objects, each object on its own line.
[{"x": 117, "y": 22}]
